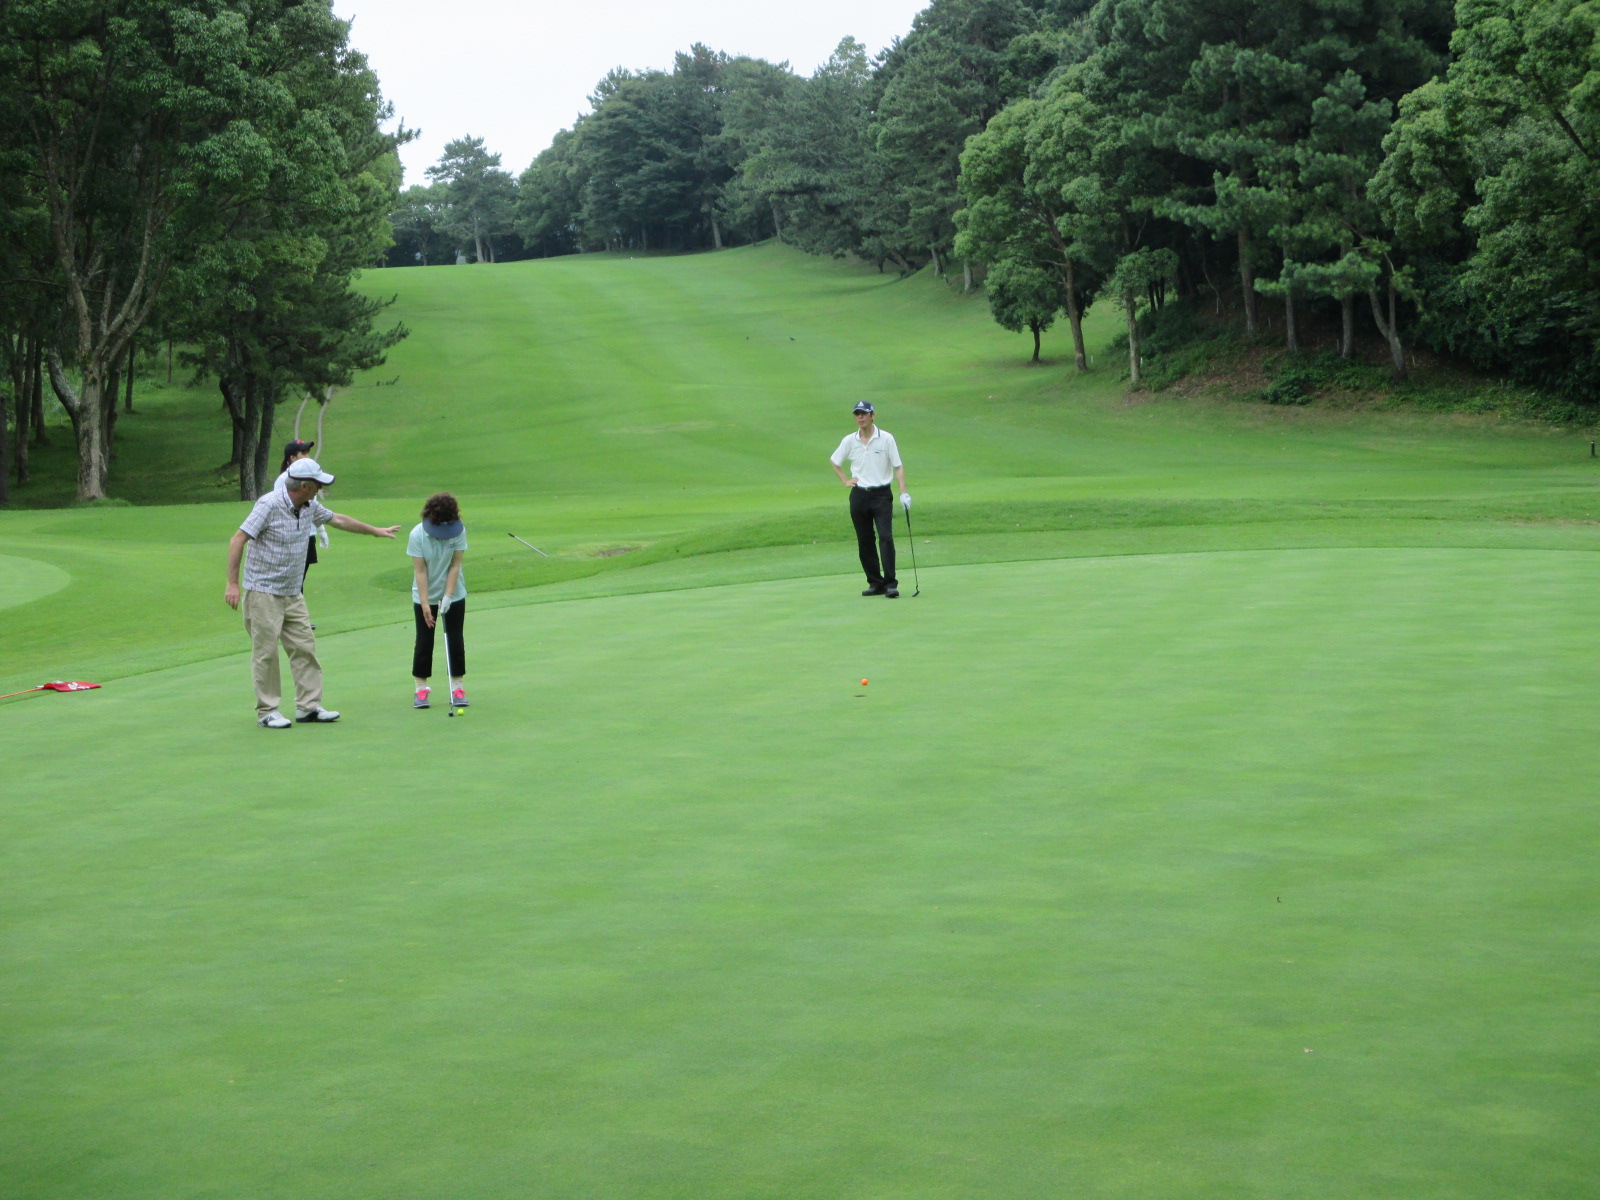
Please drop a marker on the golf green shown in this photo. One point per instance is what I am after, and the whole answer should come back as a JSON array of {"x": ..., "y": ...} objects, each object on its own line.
[
  {"x": 1260, "y": 873},
  {"x": 1217, "y": 822}
]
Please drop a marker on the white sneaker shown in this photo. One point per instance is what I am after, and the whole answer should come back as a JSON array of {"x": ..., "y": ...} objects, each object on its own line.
[
  {"x": 273, "y": 720},
  {"x": 315, "y": 716}
]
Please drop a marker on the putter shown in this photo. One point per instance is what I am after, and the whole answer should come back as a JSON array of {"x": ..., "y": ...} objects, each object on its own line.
[
  {"x": 449, "y": 675},
  {"x": 531, "y": 546},
  {"x": 912, "y": 538}
]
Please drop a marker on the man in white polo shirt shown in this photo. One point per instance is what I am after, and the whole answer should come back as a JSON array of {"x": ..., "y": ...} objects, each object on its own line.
[
  {"x": 274, "y": 609},
  {"x": 872, "y": 455}
]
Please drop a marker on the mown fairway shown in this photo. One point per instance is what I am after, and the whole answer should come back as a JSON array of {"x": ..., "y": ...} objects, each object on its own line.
[{"x": 1218, "y": 822}]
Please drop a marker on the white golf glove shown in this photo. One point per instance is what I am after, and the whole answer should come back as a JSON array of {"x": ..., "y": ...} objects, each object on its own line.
[
  {"x": 444, "y": 606},
  {"x": 905, "y": 501}
]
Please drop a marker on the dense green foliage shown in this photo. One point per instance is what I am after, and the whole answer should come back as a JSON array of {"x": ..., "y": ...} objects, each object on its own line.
[
  {"x": 1321, "y": 173},
  {"x": 1418, "y": 170},
  {"x": 206, "y": 172}
]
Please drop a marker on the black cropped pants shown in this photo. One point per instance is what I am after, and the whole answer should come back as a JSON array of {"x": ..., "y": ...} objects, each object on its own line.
[{"x": 454, "y": 621}]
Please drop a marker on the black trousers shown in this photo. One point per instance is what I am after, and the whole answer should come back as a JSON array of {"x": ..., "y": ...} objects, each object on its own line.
[
  {"x": 872, "y": 510},
  {"x": 422, "y": 656}
]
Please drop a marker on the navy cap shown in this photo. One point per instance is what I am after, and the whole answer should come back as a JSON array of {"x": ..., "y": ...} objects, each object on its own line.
[
  {"x": 443, "y": 532},
  {"x": 864, "y": 406}
]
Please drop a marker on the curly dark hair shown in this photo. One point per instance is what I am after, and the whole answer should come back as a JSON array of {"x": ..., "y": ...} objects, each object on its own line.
[{"x": 441, "y": 509}]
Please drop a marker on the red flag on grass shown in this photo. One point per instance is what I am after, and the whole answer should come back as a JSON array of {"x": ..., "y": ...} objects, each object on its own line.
[{"x": 60, "y": 685}]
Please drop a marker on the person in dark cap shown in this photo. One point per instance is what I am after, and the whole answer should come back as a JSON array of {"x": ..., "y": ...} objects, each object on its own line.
[
  {"x": 874, "y": 463},
  {"x": 439, "y": 592},
  {"x": 293, "y": 452}
]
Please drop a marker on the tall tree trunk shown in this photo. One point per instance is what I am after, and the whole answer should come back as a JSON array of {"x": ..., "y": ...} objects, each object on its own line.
[
  {"x": 86, "y": 406},
  {"x": 108, "y": 413},
  {"x": 777, "y": 224},
  {"x": 1247, "y": 280},
  {"x": 268, "y": 397},
  {"x": 127, "y": 399},
  {"x": 716, "y": 232},
  {"x": 322, "y": 412},
  {"x": 1290, "y": 333},
  {"x": 249, "y": 441},
  {"x": 1035, "y": 327},
  {"x": 938, "y": 267},
  {"x": 253, "y": 448},
  {"x": 41, "y": 436},
  {"x": 1129, "y": 311},
  {"x": 1347, "y": 326},
  {"x": 1390, "y": 328},
  {"x": 966, "y": 276},
  {"x": 1080, "y": 358},
  {"x": 30, "y": 377},
  {"x": 235, "y": 410}
]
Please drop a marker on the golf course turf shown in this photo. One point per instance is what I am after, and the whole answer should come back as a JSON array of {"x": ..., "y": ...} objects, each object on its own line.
[{"x": 1220, "y": 820}]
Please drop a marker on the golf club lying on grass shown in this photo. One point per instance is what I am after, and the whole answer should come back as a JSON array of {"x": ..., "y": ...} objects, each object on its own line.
[
  {"x": 60, "y": 685},
  {"x": 531, "y": 546},
  {"x": 912, "y": 538}
]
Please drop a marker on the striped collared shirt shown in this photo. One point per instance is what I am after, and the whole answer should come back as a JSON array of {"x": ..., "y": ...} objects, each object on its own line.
[{"x": 276, "y": 560}]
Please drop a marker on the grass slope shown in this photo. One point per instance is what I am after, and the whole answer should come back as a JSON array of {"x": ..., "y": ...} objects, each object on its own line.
[
  {"x": 658, "y": 407},
  {"x": 1216, "y": 823}
]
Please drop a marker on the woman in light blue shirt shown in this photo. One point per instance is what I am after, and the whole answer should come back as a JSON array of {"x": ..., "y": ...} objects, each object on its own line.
[{"x": 437, "y": 546}]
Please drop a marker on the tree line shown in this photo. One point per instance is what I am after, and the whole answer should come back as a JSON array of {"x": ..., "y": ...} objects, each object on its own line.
[
  {"x": 209, "y": 173},
  {"x": 1423, "y": 169}
]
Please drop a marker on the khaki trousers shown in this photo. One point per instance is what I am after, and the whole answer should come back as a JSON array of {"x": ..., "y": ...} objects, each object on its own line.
[{"x": 281, "y": 620}]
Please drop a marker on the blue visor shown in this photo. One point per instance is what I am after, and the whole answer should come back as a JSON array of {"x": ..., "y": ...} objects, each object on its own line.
[{"x": 443, "y": 532}]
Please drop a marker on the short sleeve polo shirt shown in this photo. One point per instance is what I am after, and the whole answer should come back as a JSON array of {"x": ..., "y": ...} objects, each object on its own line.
[
  {"x": 437, "y": 553},
  {"x": 872, "y": 462},
  {"x": 276, "y": 560}
]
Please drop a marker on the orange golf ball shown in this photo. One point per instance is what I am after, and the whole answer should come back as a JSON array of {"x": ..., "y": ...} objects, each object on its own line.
[{"x": 863, "y": 683}]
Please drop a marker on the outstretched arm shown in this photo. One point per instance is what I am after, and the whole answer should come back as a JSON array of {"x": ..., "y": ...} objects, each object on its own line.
[{"x": 351, "y": 525}]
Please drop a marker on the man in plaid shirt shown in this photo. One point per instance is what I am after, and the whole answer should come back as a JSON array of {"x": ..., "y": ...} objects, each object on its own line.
[{"x": 274, "y": 608}]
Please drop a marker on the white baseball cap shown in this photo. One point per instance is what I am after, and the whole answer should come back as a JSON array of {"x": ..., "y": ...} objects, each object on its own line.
[{"x": 307, "y": 468}]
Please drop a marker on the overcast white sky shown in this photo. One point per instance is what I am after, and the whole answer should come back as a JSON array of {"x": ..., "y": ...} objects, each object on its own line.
[{"x": 516, "y": 73}]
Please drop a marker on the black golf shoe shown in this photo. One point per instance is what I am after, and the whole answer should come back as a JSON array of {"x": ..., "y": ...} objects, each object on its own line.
[
  {"x": 893, "y": 593},
  {"x": 874, "y": 591}
]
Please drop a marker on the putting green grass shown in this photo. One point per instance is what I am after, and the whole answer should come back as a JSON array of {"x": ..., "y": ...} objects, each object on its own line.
[
  {"x": 1253, "y": 874},
  {"x": 24, "y": 579},
  {"x": 1218, "y": 822}
]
